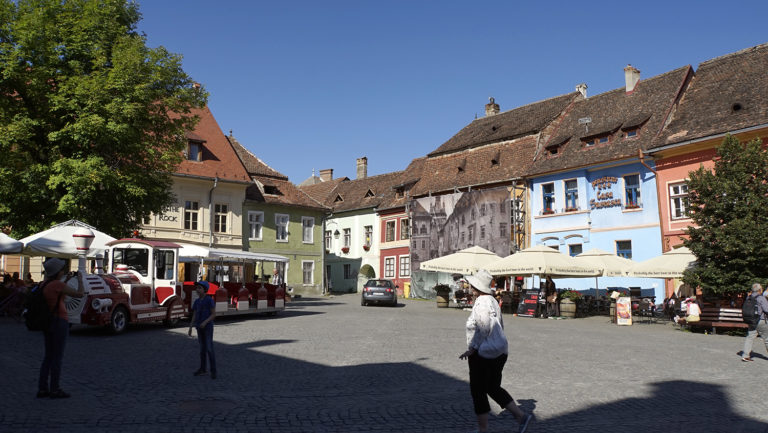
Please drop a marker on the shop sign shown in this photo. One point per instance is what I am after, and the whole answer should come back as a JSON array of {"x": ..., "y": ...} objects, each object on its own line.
[{"x": 604, "y": 195}]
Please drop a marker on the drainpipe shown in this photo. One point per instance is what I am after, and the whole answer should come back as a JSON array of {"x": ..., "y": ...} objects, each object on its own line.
[
  {"x": 642, "y": 161},
  {"x": 210, "y": 211}
]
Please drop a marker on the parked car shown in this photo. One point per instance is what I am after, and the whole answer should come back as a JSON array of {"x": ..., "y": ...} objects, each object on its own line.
[{"x": 379, "y": 292}]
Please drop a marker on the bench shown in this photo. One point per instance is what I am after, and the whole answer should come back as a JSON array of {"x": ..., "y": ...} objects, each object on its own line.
[{"x": 719, "y": 317}]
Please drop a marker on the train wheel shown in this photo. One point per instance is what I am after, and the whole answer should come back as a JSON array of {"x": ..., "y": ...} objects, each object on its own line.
[
  {"x": 170, "y": 322},
  {"x": 119, "y": 320}
]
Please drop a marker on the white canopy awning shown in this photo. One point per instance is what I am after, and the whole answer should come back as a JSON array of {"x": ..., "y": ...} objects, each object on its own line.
[
  {"x": 193, "y": 253},
  {"x": 57, "y": 241},
  {"x": 9, "y": 245}
]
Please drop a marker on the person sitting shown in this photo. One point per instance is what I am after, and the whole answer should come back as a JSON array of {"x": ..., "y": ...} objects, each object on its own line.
[{"x": 693, "y": 312}]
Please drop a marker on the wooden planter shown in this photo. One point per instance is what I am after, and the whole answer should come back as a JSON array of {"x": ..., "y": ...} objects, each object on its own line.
[{"x": 567, "y": 308}]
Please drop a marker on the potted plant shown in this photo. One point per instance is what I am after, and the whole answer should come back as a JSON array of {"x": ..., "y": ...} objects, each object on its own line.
[
  {"x": 568, "y": 301},
  {"x": 366, "y": 247},
  {"x": 443, "y": 292},
  {"x": 548, "y": 211},
  {"x": 345, "y": 250},
  {"x": 571, "y": 209}
]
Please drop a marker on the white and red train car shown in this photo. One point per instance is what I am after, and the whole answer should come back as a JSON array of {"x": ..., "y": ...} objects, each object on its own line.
[{"x": 142, "y": 285}]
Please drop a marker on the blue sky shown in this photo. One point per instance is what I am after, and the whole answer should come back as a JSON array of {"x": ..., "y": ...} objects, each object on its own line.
[{"x": 317, "y": 84}]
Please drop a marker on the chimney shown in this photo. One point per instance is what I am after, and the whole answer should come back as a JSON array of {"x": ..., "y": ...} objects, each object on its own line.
[
  {"x": 491, "y": 108},
  {"x": 631, "y": 77},
  {"x": 582, "y": 88},
  {"x": 362, "y": 168},
  {"x": 326, "y": 174}
]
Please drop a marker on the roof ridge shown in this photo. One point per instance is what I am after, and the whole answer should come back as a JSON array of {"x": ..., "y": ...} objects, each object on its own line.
[{"x": 734, "y": 54}]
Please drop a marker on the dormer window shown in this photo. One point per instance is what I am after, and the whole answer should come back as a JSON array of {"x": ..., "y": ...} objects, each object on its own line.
[
  {"x": 631, "y": 133},
  {"x": 195, "y": 150},
  {"x": 271, "y": 190},
  {"x": 369, "y": 194},
  {"x": 338, "y": 199},
  {"x": 595, "y": 141},
  {"x": 495, "y": 159}
]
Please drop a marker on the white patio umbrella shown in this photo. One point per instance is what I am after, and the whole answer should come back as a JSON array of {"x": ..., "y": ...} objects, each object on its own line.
[
  {"x": 542, "y": 260},
  {"x": 671, "y": 264},
  {"x": 9, "y": 245},
  {"x": 465, "y": 262},
  {"x": 610, "y": 264},
  {"x": 57, "y": 241}
]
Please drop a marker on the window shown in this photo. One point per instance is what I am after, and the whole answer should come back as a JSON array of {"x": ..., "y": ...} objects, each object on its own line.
[
  {"x": 368, "y": 235},
  {"x": 347, "y": 237},
  {"x": 255, "y": 224},
  {"x": 327, "y": 240},
  {"x": 462, "y": 237},
  {"x": 405, "y": 266},
  {"x": 503, "y": 230},
  {"x": 389, "y": 267},
  {"x": 194, "y": 151},
  {"x": 678, "y": 200},
  {"x": 482, "y": 209},
  {"x": 281, "y": 227},
  {"x": 190, "y": 215},
  {"x": 389, "y": 233},
  {"x": 405, "y": 228},
  {"x": 548, "y": 195},
  {"x": 631, "y": 133},
  {"x": 308, "y": 272},
  {"x": 593, "y": 141},
  {"x": 482, "y": 232},
  {"x": 424, "y": 243},
  {"x": 632, "y": 191},
  {"x": 472, "y": 214},
  {"x": 471, "y": 235},
  {"x": 220, "y": 218},
  {"x": 571, "y": 195},
  {"x": 164, "y": 265},
  {"x": 624, "y": 249},
  {"x": 308, "y": 230},
  {"x": 574, "y": 249},
  {"x": 348, "y": 272}
]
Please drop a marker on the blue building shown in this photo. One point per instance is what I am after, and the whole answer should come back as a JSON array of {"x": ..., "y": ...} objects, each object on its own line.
[{"x": 591, "y": 188}]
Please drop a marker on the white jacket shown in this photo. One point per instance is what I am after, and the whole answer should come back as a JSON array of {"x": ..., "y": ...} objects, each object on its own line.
[{"x": 485, "y": 328}]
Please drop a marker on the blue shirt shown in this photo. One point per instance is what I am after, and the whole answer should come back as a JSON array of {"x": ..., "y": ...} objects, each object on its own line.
[
  {"x": 762, "y": 305},
  {"x": 202, "y": 309}
]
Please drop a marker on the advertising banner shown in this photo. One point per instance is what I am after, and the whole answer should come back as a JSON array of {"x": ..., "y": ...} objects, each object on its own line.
[{"x": 624, "y": 311}]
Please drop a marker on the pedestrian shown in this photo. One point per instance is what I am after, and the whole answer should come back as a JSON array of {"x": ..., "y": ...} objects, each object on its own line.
[
  {"x": 692, "y": 311},
  {"x": 550, "y": 292},
  {"x": 761, "y": 325},
  {"x": 486, "y": 353},
  {"x": 56, "y": 335},
  {"x": 203, "y": 314}
]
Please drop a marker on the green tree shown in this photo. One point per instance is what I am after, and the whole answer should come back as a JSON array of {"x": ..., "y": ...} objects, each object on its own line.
[
  {"x": 92, "y": 121},
  {"x": 729, "y": 207}
]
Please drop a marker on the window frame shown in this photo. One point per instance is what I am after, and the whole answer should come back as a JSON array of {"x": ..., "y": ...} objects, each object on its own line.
[
  {"x": 404, "y": 271},
  {"x": 622, "y": 252},
  {"x": 572, "y": 246},
  {"x": 327, "y": 236},
  {"x": 547, "y": 198},
  {"x": 282, "y": 227},
  {"x": 389, "y": 267},
  {"x": 682, "y": 197},
  {"x": 348, "y": 237},
  {"x": 220, "y": 214},
  {"x": 571, "y": 195},
  {"x": 634, "y": 202},
  {"x": 405, "y": 228},
  {"x": 368, "y": 239},
  {"x": 251, "y": 223},
  {"x": 199, "y": 150},
  {"x": 389, "y": 230},
  {"x": 195, "y": 213},
  {"x": 305, "y": 232},
  {"x": 311, "y": 273}
]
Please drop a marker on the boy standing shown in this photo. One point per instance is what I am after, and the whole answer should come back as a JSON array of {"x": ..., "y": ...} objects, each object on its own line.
[{"x": 203, "y": 313}]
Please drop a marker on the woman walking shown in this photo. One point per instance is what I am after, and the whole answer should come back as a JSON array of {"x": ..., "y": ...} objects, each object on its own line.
[
  {"x": 56, "y": 335},
  {"x": 487, "y": 353}
]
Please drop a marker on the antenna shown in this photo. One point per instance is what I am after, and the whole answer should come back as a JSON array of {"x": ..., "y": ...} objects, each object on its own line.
[{"x": 585, "y": 121}]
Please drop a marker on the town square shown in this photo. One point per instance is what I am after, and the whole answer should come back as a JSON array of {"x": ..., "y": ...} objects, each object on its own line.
[{"x": 398, "y": 217}]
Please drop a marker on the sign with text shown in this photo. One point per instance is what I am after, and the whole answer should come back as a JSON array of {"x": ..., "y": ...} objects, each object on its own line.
[
  {"x": 528, "y": 302},
  {"x": 624, "y": 311}
]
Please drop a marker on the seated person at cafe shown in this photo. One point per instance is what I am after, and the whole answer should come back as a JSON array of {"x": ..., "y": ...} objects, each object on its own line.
[{"x": 693, "y": 311}]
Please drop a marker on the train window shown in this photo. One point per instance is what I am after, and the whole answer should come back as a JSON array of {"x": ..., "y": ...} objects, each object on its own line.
[
  {"x": 164, "y": 265},
  {"x": 136, "y": 259}
]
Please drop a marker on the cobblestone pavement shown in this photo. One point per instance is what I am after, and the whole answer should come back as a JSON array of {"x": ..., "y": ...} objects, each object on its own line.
[{"x": 330, "y": 365}]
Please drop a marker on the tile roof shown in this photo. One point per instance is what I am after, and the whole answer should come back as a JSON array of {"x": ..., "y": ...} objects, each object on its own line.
[
  {"x": 400, "y": 192},
  {"x": 611, "y": 115},
  {"x": 518, "y": 122},
  {"x": 273, "y": 187},
  {"x": 486, "y": 165},
  {"x": 727, "y": 93},
  {"x": 344, "y": 194},
  {"x": 320, "y": 191},
  {"x": 218, "y": 157}
]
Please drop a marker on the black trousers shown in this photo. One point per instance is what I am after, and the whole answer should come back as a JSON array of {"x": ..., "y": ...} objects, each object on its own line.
[{"x": 485, "y": 380}]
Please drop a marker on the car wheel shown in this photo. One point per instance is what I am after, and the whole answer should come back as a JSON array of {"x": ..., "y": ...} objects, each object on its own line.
[
  {"x": 119, "y": 320},
  {"x": 362, "y": 302}
]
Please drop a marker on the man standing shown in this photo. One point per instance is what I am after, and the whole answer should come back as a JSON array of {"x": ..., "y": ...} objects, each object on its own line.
[{"x": 758, "y": 328}]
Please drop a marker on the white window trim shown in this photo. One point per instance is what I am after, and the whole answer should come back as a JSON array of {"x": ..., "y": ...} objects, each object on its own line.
[
  {"x": 395, "y": 265},
  {"x": 312, "y": 262},
  {"x": 261, "y": 232},
  {"x": 228, "y": 220},
  {"x": 277, "y": 224},
  {"x": 399, "y": 269},
  {"x": 671, "y": 197},
  {"x": 311, "y": 232}
]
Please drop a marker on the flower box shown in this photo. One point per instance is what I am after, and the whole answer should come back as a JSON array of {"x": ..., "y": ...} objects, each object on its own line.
[
  {"x": 366, "y": 247},
  {"x": 571, "y": 209},
  {"x": 547, "y": 212},
  {"x": 345, "y": 250},
  {"x": 632, "y": 206}
]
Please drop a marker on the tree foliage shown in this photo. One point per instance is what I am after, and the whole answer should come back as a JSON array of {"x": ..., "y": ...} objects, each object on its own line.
[
  {"x": 92, "y": 121},
  {"x": 729, "y": 207}
]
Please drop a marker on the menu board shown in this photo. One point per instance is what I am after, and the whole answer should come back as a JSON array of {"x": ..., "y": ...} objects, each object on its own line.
[
  {"x": 528, "y": 302},
  {"x": 624, "y": 311}
]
